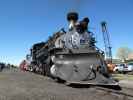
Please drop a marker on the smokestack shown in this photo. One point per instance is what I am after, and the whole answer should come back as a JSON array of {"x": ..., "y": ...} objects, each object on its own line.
[{"x": 72, "y": 18}]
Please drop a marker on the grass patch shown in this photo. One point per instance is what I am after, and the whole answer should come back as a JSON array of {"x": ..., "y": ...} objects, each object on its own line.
[{"x": 123, "y": 77}]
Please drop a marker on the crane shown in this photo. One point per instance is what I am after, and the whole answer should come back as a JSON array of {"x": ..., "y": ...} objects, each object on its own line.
[{"x": 106, "y": 38}]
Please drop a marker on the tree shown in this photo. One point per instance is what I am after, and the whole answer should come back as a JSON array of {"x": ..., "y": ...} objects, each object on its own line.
[
  {"x": 123, "y": 52},
  {"x": 130, "y": 56}
]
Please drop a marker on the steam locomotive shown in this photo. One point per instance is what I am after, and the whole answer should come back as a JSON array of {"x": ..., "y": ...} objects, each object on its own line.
[{"x": 71, "y": 56}]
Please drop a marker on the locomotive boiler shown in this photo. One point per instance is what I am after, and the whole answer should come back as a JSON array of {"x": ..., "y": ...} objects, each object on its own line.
[{"x": 71, "y": 56}]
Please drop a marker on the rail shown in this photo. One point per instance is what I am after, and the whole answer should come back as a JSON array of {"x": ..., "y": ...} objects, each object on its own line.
[{"x": 118, "y": 92}]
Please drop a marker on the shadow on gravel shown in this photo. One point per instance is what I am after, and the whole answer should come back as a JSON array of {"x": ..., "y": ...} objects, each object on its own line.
[
  {"x": 116, "y": 87},
  {"x": 74, "y": 85}
]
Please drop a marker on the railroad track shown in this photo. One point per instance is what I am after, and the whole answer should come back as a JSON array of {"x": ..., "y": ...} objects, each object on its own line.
[{"x": 125, "y": 92}]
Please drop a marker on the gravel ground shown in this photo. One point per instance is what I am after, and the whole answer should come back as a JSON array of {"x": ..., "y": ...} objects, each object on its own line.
[
  {"x": 126, "y": 83},
  {"x": 18, "y": 85}
]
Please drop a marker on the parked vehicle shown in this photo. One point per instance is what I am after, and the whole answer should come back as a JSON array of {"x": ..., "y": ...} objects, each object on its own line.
[
  {"x": 119, "y": 68},
  {"x": 124, "y": 68},
  {"x": 2, "y": 66},
  {"x": 128, "y": 67}
]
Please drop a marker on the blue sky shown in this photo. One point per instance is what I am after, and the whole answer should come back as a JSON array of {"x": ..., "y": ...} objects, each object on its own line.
[{"x": 25, "y": 22}]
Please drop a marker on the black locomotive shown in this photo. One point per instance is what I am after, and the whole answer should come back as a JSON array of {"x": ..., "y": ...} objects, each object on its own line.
[{"x": 71, "y": 55}]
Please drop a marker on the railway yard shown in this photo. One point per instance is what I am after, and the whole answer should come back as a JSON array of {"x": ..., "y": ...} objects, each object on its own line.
[
  {"x": 68, "y": 66},
  {"x": 66, "y": 50},
  {"x": 19, "y": 85}
]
